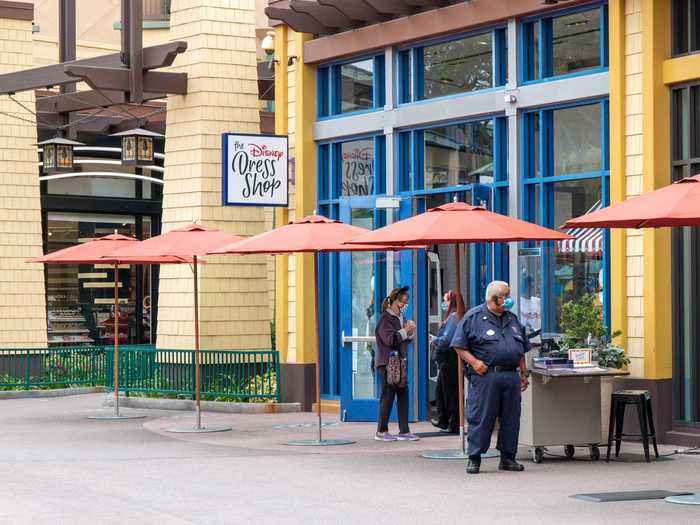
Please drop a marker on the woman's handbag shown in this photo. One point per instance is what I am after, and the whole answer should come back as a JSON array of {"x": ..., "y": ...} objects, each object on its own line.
[{"x": 396, "y": 370}]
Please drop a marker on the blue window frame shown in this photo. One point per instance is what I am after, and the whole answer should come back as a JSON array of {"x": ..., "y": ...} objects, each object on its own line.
[
  {"x": 353, "y": 86},
  {"x": 353, "y": 167},
  {"x": 566, "y": 174},
  {"x": 566, "y": 43},
  {"x": 453, "y": 66}
]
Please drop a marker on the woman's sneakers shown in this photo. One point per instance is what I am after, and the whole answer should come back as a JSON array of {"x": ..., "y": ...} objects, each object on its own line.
[
  {"x": 407, "y": 437},
  {"x": 384, "y": 436}
]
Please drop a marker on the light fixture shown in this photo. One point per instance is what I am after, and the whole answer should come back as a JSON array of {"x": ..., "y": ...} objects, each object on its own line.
[
  {"x": 268, "y": 46},
  {"x": 137, "y": 146},
  {"x": 57, "y": 154}
]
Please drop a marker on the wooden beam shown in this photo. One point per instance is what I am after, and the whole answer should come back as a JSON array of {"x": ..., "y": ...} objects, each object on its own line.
[
  {"x": 392, "y": 7},
  {"x": 326, "y": 15},
  {"x": 118, "y": 79},
  {"x": 154, "y": 57},
  {"x": 83, "y": 100},
  {"x": 356, "y": 10},
  {"x": 300, "y": 22},
  {"x": 427, "y": 3},
  {"x": 136, "y": 79}
]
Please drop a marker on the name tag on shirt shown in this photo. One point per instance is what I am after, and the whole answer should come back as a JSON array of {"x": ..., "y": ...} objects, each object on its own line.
[{"x": 490, "y": 332}]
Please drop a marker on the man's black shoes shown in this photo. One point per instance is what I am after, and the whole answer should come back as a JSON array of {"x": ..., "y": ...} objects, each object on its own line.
[
  {"x": 474, "y": 465},
  {"x": 508, "y": 463}
]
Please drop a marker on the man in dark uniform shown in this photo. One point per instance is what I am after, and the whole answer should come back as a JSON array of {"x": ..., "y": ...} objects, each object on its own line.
[{"x": 491, "y": 340}]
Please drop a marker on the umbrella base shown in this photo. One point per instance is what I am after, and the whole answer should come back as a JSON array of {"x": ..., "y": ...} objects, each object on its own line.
[
  {"x": 195, "y": 430},
  {"x": 113, "y": 417},
  {"x": 443, "y": 454},
  {"x": 319, "y": 443},
  {"x": 691, "y": 499}
]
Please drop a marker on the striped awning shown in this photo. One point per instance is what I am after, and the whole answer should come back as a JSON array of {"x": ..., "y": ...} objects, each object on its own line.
[{"x": 587, "y": 240}]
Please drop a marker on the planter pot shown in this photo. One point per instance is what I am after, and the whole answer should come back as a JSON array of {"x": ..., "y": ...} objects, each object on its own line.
[{"x": 606, "y": 390}]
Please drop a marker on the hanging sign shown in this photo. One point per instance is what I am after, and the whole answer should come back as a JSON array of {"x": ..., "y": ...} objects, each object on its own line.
[{"x": 254, "y": 170}]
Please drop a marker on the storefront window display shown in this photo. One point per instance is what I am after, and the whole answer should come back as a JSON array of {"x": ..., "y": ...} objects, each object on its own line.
[
  {"x": 569, "y": 182},
  {"x": 80, "y": 298}
]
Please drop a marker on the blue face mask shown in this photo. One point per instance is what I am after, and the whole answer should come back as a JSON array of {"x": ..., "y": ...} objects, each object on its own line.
[
  {"x": 508, "y": 303},
  {"x": 444, "y": 306}
]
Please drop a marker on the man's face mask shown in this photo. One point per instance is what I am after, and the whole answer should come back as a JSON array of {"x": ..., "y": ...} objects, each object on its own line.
[{"x": 508, "y": 303}]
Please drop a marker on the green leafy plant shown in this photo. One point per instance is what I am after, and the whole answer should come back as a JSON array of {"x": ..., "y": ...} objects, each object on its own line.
[{"x": 583, "y": 327}]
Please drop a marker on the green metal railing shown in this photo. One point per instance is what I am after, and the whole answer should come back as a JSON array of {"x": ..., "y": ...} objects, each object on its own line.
[
  {"x": 51, "y": 367},
  {"x": 226, "y": 374}
]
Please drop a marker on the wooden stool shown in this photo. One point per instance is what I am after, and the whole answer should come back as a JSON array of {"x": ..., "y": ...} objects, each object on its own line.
[{"x": 619, "y": 401}]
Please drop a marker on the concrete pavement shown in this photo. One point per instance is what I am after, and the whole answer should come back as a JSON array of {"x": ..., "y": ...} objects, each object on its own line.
[{"x": 60, "y": 468}]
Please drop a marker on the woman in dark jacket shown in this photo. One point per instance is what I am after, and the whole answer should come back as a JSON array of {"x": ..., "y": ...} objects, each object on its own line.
[
  {"x": 447, "y": 364},
  {"x": 393, "y": 334}
]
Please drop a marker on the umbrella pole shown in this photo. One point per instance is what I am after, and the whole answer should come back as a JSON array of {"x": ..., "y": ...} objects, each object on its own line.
[
  {"x": 116, "y": 340},
  {"x": 197, "y": 357},
  {"x": 460, "y": 365},
  {"x": 318, "y": 350}
]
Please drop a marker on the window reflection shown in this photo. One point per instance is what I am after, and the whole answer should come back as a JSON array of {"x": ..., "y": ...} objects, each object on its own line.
[
  {"x": 357, "y": 176},
  {"x": 458, "y": 66},
  {"x": 577, "y": 147},
  {"x": 576, "y": 42},
  {"x": 459, "y": 154},
  {"x": 356, "y": 86}
]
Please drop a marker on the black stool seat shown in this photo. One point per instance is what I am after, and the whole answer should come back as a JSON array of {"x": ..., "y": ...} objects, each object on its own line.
[{"x": 619, "y": 401}]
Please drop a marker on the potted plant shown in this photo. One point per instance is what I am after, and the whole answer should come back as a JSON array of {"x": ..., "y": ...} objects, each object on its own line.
[{"x": 583, "y": 327}]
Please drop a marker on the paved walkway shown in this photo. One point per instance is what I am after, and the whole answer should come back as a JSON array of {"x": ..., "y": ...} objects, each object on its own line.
[{"x": 60, "y": 468}]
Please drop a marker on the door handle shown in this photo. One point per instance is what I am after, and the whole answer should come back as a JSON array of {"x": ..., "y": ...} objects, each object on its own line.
[{"x": 355, "y": 338}]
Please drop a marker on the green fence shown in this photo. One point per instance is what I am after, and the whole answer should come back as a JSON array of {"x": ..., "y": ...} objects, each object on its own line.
[
  {"x": 226, "y": 374},
  {"x": 51, "y": 367}
]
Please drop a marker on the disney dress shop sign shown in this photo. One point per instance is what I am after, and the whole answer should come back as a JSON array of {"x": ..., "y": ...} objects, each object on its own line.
[{"x": 254, "y": 170}]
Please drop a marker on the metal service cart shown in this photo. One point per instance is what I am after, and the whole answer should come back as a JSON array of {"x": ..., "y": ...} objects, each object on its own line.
[{"x": 562, "y": 408}]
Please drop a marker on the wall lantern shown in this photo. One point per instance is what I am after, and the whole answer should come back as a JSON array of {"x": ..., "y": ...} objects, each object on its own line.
[
  {"x": 58, "y": 154},
  {"x": 137, "y": 146}
]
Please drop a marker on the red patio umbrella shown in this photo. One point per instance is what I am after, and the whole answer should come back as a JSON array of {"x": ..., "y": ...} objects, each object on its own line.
[
  {"x": 457, "y": 223},
  {"x": 183, "y": 245},
  {"x": 93, "y": 252},
  {"x": 677, "y": 204},
  {"x": 313, "y": 234}
]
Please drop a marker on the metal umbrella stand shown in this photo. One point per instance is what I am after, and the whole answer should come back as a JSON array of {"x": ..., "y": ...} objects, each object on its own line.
[{"x": 458, "y": 223}]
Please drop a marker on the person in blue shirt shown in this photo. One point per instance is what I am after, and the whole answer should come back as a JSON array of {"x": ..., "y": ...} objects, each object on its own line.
[
  {"x": 447, "y": 391},
  {"x": 491, "y": 340}
]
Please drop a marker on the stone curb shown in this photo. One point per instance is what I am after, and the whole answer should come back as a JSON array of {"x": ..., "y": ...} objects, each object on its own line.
[
  {"x": 59, "y": 392},
  {"x": 207, "y": 406}
]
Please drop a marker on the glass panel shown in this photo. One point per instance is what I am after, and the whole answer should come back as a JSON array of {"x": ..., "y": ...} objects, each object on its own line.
[
  {"x": 681, "y": 139},
  {"x": 357, "y": 175},
  {"x": 363, "y": 312},
  {"x": 536, "y": 138},
  {"x": 577, "y": 147},
  {"x": 356, "y": 86},
  {"x": 576, "y": 42},
  {"x": 458, "y": 66},
  {"x": 694, "y": 120},
  {"x": 533, "y": 50},
  {"x": 80, "y": 298},
  {"x": 680, "y": 27},
  {"x": 694, "y": 18},
  {"x": 578, "y": 264},
  {"x": 459, "y": 154}
]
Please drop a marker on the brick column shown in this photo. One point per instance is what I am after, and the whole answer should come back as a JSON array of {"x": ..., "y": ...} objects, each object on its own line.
[
  {"x": 22, "y": 296},
  {"x": 222, "y": 96}
]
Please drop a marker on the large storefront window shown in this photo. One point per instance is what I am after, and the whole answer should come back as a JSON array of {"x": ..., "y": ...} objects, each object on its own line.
[
  {"x": 686, "y": 253},
  {"x": 685, "y": 28},
  {"x": 80, "y": 298},
  {"x": 351, "y": 87},
  {"x": 566, "y": 176},
  {"x": 565, "y": 44},
  {"x": 462, "y": 65}
]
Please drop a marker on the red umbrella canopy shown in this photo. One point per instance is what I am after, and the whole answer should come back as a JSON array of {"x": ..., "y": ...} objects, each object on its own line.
[
  {"x": 91, "y": 252},
  {"x": 181, "y": 244},
  {"x": 314, "y": 233},
  {"x": 455, "y": 223},
  {"x": 675, "y": 205}
]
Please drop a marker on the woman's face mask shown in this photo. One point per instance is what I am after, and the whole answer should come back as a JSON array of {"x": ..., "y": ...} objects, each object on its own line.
[{"x": 444, "y": 306}]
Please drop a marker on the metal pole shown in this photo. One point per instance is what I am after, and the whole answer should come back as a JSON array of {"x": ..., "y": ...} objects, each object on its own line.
[
  {"x": 460, "y": 369},
  {"x": 197, "y": 357},
  {"x": 116, "y": 340},
  {"x": 318, "y": 350}
]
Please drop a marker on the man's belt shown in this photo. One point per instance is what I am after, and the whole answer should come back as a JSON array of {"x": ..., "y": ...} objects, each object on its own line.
[{"x": 499, "y": 368}]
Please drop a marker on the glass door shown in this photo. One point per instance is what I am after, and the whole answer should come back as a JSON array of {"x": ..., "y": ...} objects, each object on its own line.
[{"x": 365, "y": 278}]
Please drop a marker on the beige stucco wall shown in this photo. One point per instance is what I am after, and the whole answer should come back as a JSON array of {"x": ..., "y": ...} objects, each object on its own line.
[
  {"x": 222, "y": 96},
  {"x": 634, "y": 180},
  {"x": 22, "y": 299}
]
